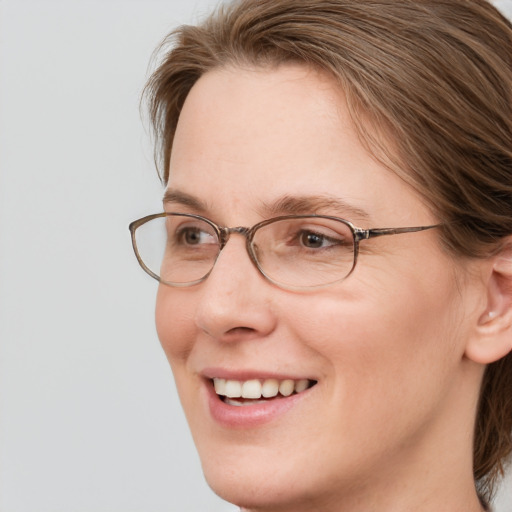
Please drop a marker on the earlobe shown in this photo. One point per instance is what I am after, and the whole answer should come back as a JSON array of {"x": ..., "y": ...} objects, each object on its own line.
[{"x": 492, "y": 337}]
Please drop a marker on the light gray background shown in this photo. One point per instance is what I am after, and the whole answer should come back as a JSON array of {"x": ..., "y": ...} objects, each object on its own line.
[{"x": 89, "y": 419}]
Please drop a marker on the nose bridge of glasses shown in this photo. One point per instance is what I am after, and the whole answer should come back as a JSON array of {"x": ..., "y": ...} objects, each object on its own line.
[{"x": 225, "y": 233}]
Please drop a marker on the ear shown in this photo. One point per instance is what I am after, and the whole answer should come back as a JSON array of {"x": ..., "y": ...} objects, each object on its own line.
[{"x": 492, "y": 336}]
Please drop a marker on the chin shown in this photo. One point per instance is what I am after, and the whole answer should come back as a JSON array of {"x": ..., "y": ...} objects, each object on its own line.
[
  {"x": 253, "y": 478},
  {"x": 263, "y": 491}
]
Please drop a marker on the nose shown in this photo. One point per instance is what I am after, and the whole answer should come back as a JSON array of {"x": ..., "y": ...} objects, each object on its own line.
[{"x": 235, "y": 300}]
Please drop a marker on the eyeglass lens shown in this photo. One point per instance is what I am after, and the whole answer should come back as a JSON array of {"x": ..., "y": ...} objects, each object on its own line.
[{"x": 295, "y": 252}]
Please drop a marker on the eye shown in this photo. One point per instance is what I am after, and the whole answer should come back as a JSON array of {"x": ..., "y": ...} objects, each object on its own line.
[
  {"x": 310, "y": 237},
  {"x": 186, "y": 233},
  {"x": 313, "y": 240},
  {"x": 193, "y": 235}
]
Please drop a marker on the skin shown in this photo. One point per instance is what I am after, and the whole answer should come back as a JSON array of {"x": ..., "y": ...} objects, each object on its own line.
[{"x": 388, "y": 426}]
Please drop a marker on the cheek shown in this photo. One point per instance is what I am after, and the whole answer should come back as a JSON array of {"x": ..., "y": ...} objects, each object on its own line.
[
  {"x": 384, "y": 342},
  {"x": 174, "y": 323},
  {"x": 175, "y": 326}
]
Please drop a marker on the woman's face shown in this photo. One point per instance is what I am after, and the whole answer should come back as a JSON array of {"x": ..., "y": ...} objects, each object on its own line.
[{"x": 384, "y": 347}]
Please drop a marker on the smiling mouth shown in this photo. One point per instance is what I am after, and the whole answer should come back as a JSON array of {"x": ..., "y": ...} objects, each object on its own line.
[{"x": 257, "y": 391}]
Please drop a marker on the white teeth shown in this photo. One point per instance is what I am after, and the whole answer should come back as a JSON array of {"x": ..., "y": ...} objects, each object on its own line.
[
  {"x": 251, "y": 389},
  {"x": 255, "y": 389},
  {"x": 220, "y": 386},
  {"x": 233, "y": 389},
  {"x": 286, "y": 387},
  {"x": 270, "y": 388},
  {"x": 238, "y": 403}
]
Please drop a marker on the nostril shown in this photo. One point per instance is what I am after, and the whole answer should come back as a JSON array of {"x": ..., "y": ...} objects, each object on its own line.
[{"x": 240, "y": 330}]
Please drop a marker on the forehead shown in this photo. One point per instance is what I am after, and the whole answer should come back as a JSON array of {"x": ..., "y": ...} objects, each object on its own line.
[
  {"x": 248, "y": 135},
  {"x": 229, "y": 109}
]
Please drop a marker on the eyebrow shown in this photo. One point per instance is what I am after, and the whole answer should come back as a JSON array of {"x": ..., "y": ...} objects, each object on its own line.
[
  {"x": 285, "y": 205},
  {"x": 184, "y": 199},
  {"x": 324, "y": 204}
]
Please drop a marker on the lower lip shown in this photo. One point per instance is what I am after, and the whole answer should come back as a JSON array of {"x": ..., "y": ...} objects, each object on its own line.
[{"x": 247, "y": 416}]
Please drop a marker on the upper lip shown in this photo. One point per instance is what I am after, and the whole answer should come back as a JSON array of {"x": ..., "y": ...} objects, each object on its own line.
[{"x": 249, "y": 374}]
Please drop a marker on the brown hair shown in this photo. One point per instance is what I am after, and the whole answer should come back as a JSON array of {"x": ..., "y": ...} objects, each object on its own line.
[{"x": 434, "y": 76}]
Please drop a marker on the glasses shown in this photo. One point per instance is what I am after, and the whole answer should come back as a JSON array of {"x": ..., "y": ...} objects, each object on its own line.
[{"x": 295, "y": 252}]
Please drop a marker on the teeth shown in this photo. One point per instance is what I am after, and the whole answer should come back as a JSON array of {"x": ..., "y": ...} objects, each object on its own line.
[
  {"x": 255, "y": 389},
  {"x": 251, "y": 389},
  {"x": 233, "y": 389},
  {"x": 301, "y": 385},
  {"x": 220, "y": 386},
  {"x": 239, "y": 403},
  {"x": 270, "y": 388},
  {"x": 286, "y": 387}
]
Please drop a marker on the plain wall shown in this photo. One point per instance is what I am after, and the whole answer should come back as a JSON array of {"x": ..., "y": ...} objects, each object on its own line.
[{"x": 89, "y": 418}]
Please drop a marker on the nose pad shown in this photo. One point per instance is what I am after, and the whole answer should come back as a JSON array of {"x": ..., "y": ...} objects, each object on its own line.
[{"x": 235, "y": 298}]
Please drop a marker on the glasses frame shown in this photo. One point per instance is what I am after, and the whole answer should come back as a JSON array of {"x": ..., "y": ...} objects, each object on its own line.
[{"x": 224, "y": 233}]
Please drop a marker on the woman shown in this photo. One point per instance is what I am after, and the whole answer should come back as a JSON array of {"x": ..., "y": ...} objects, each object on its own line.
[{"x": 352, "y": 349}]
